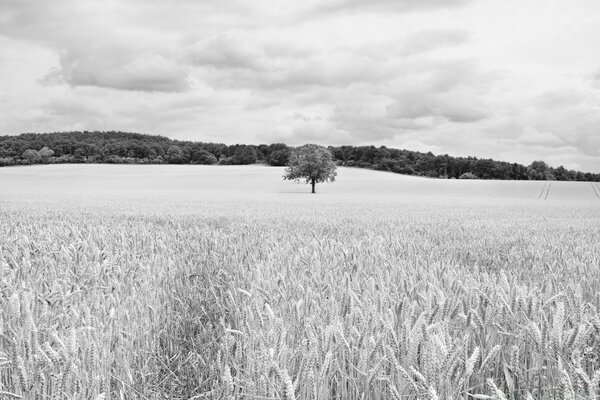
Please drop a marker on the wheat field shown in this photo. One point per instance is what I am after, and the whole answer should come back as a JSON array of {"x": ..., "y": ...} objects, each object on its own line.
[{"x": 189, "y": 282}]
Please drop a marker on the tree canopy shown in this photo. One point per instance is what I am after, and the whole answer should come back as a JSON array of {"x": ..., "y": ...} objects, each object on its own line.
[
  {"x": 311, "y": 163},
  {"x": 45, "y": 153},
  {"x": 32, "y": 156}
]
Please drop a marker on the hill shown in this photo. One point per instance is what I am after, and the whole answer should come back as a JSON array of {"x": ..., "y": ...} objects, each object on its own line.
[{"x": 134, "y": 148}]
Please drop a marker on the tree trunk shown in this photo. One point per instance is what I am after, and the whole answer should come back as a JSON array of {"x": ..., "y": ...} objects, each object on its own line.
[{"x": 312, "y": 182}]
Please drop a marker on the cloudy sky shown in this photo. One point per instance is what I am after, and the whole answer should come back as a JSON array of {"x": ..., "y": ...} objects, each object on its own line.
[{"x": 509, "y": 79}]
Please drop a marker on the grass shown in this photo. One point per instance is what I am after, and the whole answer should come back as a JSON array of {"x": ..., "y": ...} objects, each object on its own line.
[{"x": 186, "y": 283}]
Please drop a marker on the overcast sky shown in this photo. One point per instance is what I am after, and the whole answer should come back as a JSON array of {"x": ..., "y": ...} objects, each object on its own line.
[{"x": 510, "y": 79}]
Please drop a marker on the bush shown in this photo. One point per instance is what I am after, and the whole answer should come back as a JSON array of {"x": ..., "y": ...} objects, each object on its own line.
[
  {"x": 32, "y": 156},
  {"x": 468, "y": 175},
  {"x": 205, "y": 158},
  {"x": 381, "y": 167},
  {"x": 121, "y": 160},
  {"x": 176, "y": 156},
  {"x": 404, "y": 170},
  {"x": 244, "y": 155},
  {"x": 5, "y": 162},
  {"x": 62, "y": 159},
  {"x": 279, "y": 158},
  {"x": 46, "y": 153},
  {"x": 226, "y": 161}
]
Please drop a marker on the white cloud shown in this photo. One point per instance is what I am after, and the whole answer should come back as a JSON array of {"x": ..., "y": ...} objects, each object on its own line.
[
  {"x": 454, "y": 107},
  {"x": 345, "y": 6},
  {"x": 150, "y": 72},
  {"x": 432, "y": 39},
  {"x": 228, "y": 51},
  {"x": 533, "y": 136}
]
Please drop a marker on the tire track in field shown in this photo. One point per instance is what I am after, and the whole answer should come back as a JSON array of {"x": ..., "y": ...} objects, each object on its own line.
[
  {"x": 543, "y": 190},
  {"x": 548, "y": 191},
  {"x": 596, "y": 190}
]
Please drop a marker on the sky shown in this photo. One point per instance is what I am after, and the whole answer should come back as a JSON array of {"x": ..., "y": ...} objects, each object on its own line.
[{"x": 512, "y": 80}]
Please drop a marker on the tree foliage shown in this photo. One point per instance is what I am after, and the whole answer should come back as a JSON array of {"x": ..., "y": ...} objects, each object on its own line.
[
  {"x": 468, "y": 175},
  {"x": 445, "y": 166},
  {"x": 32, "y": 156},
  {"x": 134, "y": 148},
  {"x": 175, "y": 155},
  {"x": 539, "y": 171},
  {"x": 279, "y": 155},
  {"x": 46, "y": 153},
  {"x": 244, "y": 155},
  {"x": 311, "y": 163},
  {"x": 206, "y": 158}
]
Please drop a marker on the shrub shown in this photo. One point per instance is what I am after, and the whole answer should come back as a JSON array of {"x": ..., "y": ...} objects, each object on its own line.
[
  {"x": 279, "y": 158},
  {"x": 5, "y": 162},
  {"x": 32, "y": 156},
  {"x": 46, "y": 153},
  {"x": 205, "y": 158},
  {"x": 468, "y": 175},
  {"x": 244, "y": 155}
]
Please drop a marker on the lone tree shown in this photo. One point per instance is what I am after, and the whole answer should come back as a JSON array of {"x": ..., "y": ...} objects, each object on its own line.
[{"x": 312, "y": 163}]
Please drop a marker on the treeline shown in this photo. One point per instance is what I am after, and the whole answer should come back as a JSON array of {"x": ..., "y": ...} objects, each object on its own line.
[
  {"x": 130, "y": 148},
  {"x": 133, "y": 148},
  {"x": 448, "y": 167}
]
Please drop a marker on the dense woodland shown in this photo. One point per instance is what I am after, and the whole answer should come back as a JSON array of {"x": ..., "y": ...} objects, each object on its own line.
[{"x": 134, "y": 148}]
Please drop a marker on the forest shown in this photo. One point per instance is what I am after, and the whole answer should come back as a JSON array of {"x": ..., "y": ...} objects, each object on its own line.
[{"x": 114, "y": 147}]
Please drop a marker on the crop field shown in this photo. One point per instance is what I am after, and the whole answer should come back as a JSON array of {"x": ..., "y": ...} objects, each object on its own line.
[{"x": 199, "y": 282}]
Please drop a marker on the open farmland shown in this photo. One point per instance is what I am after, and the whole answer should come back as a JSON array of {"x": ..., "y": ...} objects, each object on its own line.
[{"x": 189, "y": 282}]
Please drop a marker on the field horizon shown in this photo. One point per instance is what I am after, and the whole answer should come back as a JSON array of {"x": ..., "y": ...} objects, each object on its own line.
[{"x": 258, "y": 182}]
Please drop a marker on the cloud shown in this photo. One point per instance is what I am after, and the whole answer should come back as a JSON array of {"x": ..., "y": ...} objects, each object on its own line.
[
  {"x": 445, "y": 92},
  {"x": 454, "y": 108},
  {"x": 251, "y": 61},
  {"x": 596, "y": 78},
  {"x": 231, "y": 60},
  {"x": 346, "y": 6},
  {"x": 563, "y": 117},
  {"x": 533, "y": 136},
  {"x": 144, "y": 73},
  {"x": 432, "y": 39},
  {"x": 227, "y": 51},
  {"x": 559, "y": 99},
  {"x": 94, "y": 49},
  {"x": 328, "y": 70},
  {"x": 445, "y": 75},
  {"x": 299, "y": 128}
]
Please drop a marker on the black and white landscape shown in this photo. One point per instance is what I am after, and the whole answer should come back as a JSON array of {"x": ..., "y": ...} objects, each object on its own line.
[{"x": 337, "y": 199}]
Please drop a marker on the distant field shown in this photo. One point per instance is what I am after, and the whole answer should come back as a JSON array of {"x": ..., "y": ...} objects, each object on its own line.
[
  {"x": 198, "y": 183},
  {"x": 190, "y": 282}
]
